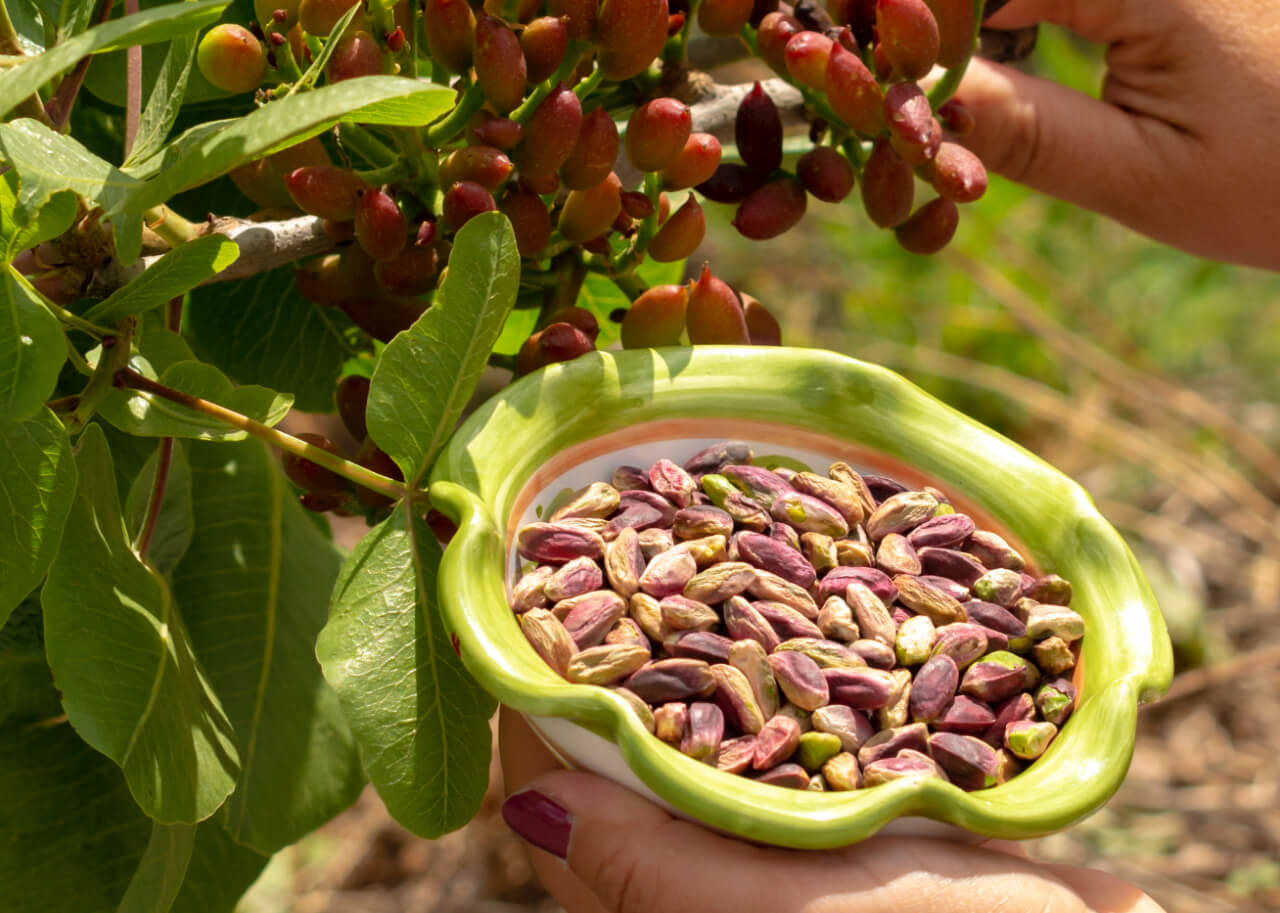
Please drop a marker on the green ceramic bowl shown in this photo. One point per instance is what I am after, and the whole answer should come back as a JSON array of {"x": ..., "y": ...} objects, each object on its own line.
[{"x": 572, "y": 423}]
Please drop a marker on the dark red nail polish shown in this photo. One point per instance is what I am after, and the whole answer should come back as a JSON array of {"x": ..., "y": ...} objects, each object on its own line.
[{"x": 539, "y": 820}]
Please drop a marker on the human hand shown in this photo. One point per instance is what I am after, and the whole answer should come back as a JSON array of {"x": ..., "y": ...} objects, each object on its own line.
[
  {"x": 1183, "y": 143},
  {"x": 625, "y": 855}
]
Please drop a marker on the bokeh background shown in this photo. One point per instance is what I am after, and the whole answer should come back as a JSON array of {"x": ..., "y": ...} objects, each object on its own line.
[{"x": 1147, "y": 375}]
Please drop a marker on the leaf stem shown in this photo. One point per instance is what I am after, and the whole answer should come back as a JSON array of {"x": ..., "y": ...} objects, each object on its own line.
[
  {"x": 366, "y": 145},
  {"x": 114, "y": 358},
  {"x": 172, "y": 228},
  {"x": 948, "y": 84},
  {"x": 156, "y": 499},
  {"x": 126, "y": 377},
  {"x": 78, "y": 323},
  {"x": 572, "y": 57},
  {"x": 384, "y": 175},
  {"x": 439, "y": 133}
]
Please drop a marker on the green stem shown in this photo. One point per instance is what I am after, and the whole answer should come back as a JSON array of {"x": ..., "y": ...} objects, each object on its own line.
[
  {"x": 632, "y": 285},
  {"x": 386, "y": 175},
  {"x": 947, "y": 85},
  {"x": 358, "y": 474},
  {"x": 114, "y": 358},
  {"x": 570, "y": 63},
  {"x": 172, "y": 228},
  {"x": 630, "y": 258},
  {"x": 441, "y": 132},
  {"x": 285, "y": 61},
  {"x": 77, "y": 360},
  {"x": 79, "y": 323},
  {"x": 677, "y": 48},
  {"x": 588, "y": 85},
  {"x": 364, "y": 144}
]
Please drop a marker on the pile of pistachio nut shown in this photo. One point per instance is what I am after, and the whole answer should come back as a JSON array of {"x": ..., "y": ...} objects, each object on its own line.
[{"x": 822, "y": 632}]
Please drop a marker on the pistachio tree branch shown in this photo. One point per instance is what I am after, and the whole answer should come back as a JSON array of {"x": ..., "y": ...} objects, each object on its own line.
[{"x": 263, "y": 247}]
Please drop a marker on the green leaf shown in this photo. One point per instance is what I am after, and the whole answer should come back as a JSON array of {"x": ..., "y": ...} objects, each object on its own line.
[
  {"x": 74, "y": 839},
  {"x": 165, "y": 101},
  {"x": 220, "y": 871},
  {"x": 420, "y": 719},
  {"x": 601, "y": 297},
  {"x": 260, "y": 330},
  {"x": 427, "y": 373},
  {"x": 48, "y": 163},
  {"x": 32, "y": 349},
  {"x": 71, "y": 832},
  {"x": 37, "y": 482},
  {"x": 149, "y": 415},
  {"x": 391, "y": 100},
  {"x": 159, "y": 875},
  {"x": 173, "y": 275},
  {"x": 130, "y": 682},
  {"x": 175, "y": 523},
  {"x": 331, "y": 42},
  {"x": 53, "y": 219},
  {"x": 254, "y": 588},
  {"x": 153, "y": 25}
]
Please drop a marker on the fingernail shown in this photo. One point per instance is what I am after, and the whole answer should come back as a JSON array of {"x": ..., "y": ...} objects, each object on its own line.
[{"x": 539, "y": 820}]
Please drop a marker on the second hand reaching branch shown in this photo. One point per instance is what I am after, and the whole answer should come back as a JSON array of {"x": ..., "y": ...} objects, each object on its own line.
[{"x": 128, "y": 378}]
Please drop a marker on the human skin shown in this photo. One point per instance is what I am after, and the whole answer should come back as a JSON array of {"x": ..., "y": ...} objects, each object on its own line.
[
  {"x": 626, "y": 855},
  {"x": 1180, "y": 146}
]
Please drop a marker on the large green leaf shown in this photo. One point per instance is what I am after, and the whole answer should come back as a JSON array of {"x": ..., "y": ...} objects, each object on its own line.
[
  {"x": 159, "y": 24},
  {"x": 427, "y": 373},
  {"x": 421, "y": 720},
  {"x": 260, "y": 330},
  {"x": 254, "y": 589},
  {"x": 173, "y": 275},
  {"x": 220, "y": 871},
  {"x": 71, "y": 834},
  {"x": 159, "y": 875},
  {"x": 37, "y": 482},
  {"x": 391, "y": 100},
  {"x": 74, "y": 840},
  {"x": 53, "y": 219},
  {"x": 48, "y": 163},
  {"x": 32, "y": 348},
  {"x": 175, "y": 523},
  {"x": 142, "y": 413},
  {"x": 130, "y": 682}
]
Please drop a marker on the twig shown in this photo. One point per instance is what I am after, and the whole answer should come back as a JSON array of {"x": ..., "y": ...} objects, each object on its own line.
[
  {"x": 127, "y": 377},
  {"x": 263, "y": 246},
  {"x": 1181, "y": 472},
  {"x": 1142, "y": 391},
  {"x": 1197, "y": 680},
  {"x": 156, "y": 499},
  {"x": 133, "y": 86},
  {"x": 1145, "y": 385}
]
